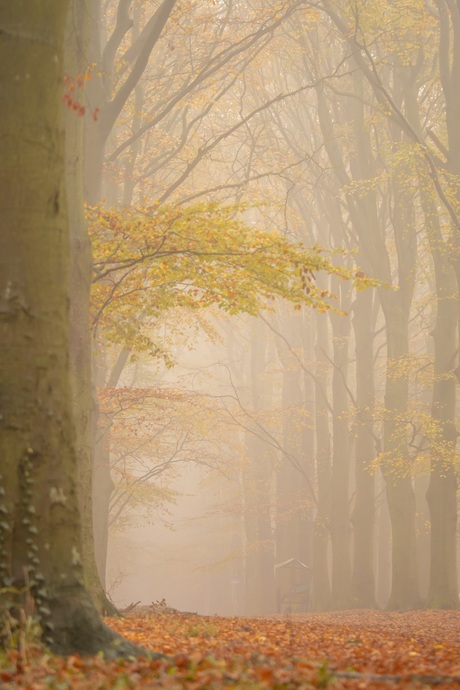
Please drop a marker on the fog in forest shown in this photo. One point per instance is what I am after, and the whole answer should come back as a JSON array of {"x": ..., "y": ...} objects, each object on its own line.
[
  {"x": 188, "y": 548},
  {"x": 230, "y": 340},
  {"x": 188, "y": 554},
  {"x": 273, "y": 204}
]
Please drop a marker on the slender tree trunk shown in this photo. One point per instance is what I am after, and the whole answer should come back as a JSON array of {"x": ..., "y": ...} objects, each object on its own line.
[
  {"x": 423, "y": 534},
  {"x": 308, "y": 439},
  {"x": 340, "y": 477},
  {"x": 321, "y": 530},
  {"x": 103, "y": 106},
  {"x": 363, "y": 518},
  {"x": 396, "y": 467},
  {"x": 103, "y": 483},
  {"x": 294, "y": 499},
  {"x": 442, "y": 490},
  {"x": 129, "y": 182},
  {"x": 396, "y": 307},
  {"x": 260, "y": 562},
  {"x": 383, "y": 551}
]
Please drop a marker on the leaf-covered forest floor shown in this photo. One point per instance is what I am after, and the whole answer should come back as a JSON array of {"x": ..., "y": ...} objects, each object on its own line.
[{"x": 348, "y": 649}]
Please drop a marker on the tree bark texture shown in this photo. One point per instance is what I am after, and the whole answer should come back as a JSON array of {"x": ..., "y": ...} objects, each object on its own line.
[{"x": 40, "y": 534}]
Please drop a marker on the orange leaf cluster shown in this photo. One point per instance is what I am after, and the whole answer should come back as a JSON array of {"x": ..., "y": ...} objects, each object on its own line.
[{"x": 72, "y": 86}]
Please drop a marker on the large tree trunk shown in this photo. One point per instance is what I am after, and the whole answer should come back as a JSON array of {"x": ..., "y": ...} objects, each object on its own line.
[{"x": 40, "y": 533}]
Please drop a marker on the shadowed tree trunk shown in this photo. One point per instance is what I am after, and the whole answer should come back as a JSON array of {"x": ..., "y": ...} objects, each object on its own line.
[
  {"x": 40, "y": 534},
  {"x": 83, "y": 394}
]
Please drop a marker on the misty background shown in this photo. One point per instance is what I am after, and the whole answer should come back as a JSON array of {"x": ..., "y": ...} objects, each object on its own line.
[{"x": 275, "y": 457}]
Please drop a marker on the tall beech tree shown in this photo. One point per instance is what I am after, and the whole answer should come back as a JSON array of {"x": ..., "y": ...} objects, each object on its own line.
[{"x": 40, "y": 526}]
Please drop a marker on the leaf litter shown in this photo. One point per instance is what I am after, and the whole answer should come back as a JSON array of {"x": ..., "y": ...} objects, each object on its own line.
[{"x": 343, "y": 650}]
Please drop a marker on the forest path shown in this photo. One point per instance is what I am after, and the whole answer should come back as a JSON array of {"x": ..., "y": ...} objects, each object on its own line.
[
  {"x": 353, "y": 646},
  {"x": 348, "y": 650}
]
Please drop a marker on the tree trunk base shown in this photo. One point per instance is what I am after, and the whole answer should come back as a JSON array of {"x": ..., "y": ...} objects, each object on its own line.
[{"x": 75, "y": 628}]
